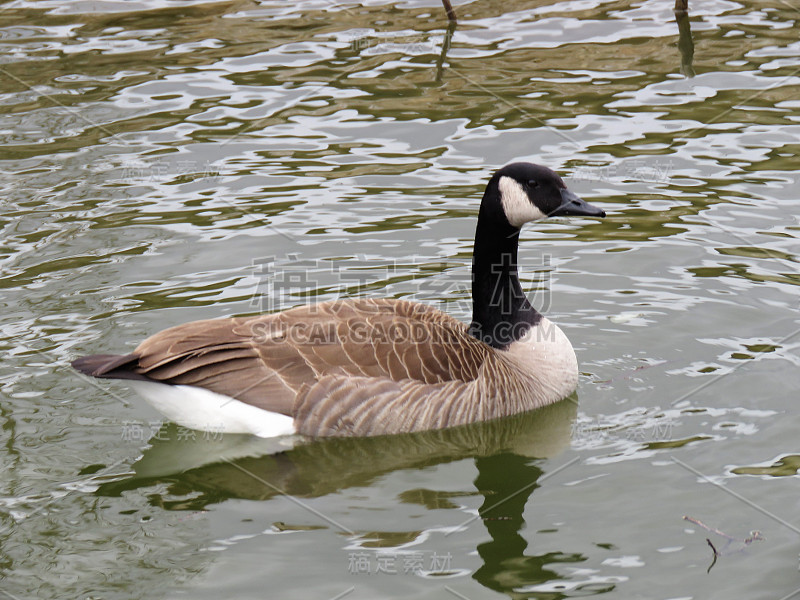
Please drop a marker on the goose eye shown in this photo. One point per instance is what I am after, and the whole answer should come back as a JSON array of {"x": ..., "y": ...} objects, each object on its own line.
[{"x": 532, "y": 183}]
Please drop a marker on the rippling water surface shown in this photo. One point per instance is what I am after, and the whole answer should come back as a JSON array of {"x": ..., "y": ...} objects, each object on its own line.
[{"x": 167, "y": 160}]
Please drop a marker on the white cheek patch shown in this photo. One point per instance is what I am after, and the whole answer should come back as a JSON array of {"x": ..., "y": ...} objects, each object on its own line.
[{"x": 516, "y": 204}]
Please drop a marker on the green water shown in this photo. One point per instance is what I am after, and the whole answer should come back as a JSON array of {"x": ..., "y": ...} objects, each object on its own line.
[{"x": 165, "y": 160}]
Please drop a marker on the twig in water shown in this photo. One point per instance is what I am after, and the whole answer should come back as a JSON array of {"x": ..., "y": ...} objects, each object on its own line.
[
  {"x": 716, "y": 554},
  {"x": 754, "y": 535},
  {"x": 448, "y": 8}
]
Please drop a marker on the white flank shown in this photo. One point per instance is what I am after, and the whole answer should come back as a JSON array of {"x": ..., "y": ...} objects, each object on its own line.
[
  {"x": 516, "y": 205},
  {"x": 202, "y": 409},
  {"x": 547, "y": 355}
]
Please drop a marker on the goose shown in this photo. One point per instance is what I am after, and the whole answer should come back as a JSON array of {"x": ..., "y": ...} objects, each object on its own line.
[{"x": 373, "y": 366}]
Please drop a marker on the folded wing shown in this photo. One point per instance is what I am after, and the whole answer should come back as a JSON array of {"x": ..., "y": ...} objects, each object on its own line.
[{"x": 267, "y": 361}]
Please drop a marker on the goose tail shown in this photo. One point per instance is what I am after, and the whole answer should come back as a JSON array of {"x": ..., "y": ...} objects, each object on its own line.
[{"x": 110, "y": 366}]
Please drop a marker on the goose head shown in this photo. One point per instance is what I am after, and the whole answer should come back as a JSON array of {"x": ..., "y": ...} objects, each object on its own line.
[
  {"x": 516, "y": 194},
  {"x": 523, "y": 192}
]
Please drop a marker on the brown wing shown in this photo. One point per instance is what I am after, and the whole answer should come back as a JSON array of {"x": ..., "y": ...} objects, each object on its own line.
[
  {"x": 266, "y": 360},
  {"x": 220, "y": 355}
]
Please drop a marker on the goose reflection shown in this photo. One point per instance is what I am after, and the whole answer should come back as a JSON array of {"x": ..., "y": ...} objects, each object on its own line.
[
  {"x": 204, "y": 472},
  {"x": 506, "y": 481}
]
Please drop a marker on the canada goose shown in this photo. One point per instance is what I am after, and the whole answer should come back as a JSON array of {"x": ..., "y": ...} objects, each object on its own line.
[{"x": 364, "y": 367}]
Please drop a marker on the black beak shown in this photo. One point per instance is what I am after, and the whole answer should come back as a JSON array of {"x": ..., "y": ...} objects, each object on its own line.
[{"x": 572, "y": 206}]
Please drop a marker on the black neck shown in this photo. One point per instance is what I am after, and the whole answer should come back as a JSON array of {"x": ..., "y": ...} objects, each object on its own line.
[{"x": 501, "y": 313}]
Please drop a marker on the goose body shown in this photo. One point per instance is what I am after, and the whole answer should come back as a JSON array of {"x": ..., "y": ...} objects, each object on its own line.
[{"x": 365, "y": 367}]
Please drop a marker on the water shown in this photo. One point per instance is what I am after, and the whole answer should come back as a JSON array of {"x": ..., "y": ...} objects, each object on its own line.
[{"x": 164, "y": 161}]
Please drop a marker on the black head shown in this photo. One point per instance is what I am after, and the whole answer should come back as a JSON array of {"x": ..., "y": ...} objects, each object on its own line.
[{"x": 529, "y": 192}]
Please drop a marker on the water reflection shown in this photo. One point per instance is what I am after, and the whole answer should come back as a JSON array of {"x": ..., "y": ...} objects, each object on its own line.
[
  {"x": 506, "y": 481},
  {"x": 201, "y": 472},
  {"x": 448, "y": 38},
  {"x": 685, "y": 42}
]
